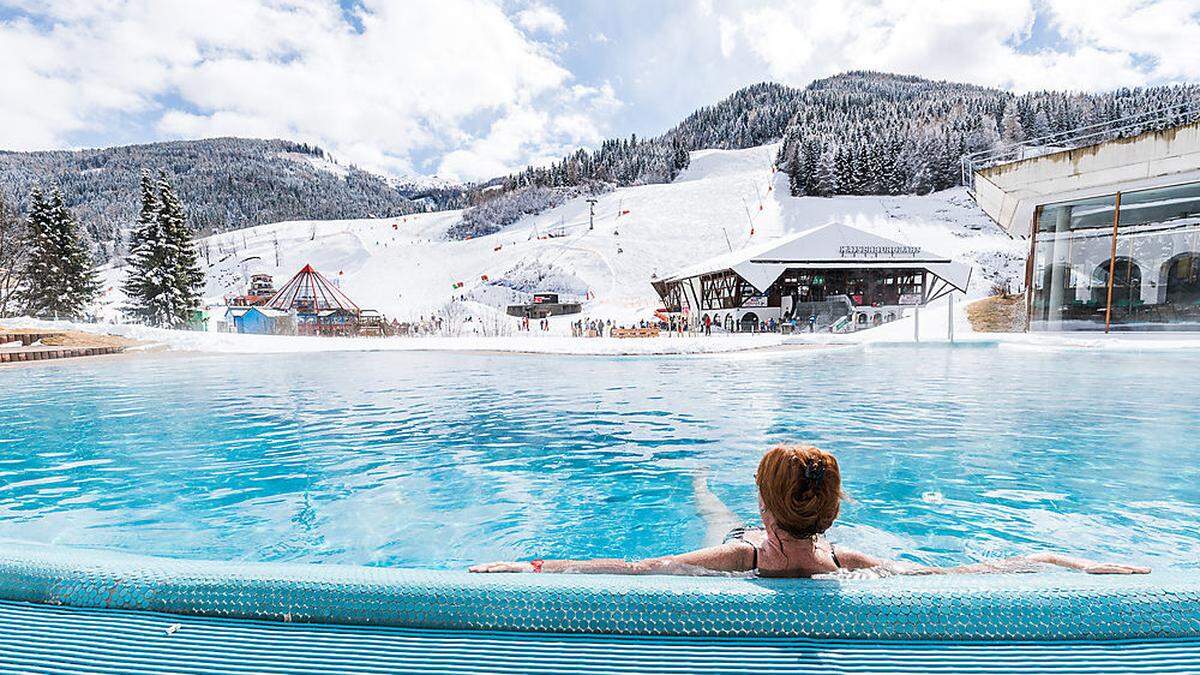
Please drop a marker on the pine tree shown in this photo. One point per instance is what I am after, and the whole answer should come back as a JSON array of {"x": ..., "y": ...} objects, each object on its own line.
[
  {"x": 798, "y": 171},
  {"x": 59, "y": 279},
  {"x": 145, "y": 280},
  {"x": 825, "y": 175},
  {"x": 14, "y": 249},
  {"x": 985, "y": 136},
  {"x": 1041, "y": 124},
  {"x": 812, "y": 159},
  {"x": 188, "y": 275},
  {"x": 844, "y": 171},
  {"x": 1011, "y": 130},
  {"x": 860, "y": 173},
  {"x": 681, "y": 156},
  {"x": 164, "y": 279}
]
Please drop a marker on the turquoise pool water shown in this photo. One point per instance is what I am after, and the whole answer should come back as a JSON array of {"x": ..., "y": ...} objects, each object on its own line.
[{"x": 437, "y": 460}]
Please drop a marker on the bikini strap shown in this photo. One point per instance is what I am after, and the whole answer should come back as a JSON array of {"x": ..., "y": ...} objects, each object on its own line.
[{"x": 833, "y": 554}]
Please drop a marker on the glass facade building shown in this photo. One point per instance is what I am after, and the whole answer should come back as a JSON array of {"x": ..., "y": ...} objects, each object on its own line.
[{"x": 1127, "y": 261}]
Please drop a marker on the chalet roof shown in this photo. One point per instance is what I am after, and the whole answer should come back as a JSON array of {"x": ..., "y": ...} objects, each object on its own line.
[{"x": 829, "y": 246}]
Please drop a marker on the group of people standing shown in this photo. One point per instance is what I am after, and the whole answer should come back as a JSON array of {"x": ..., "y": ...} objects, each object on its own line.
[
  {"x": 680, "y": 325},
  {"x": 543, "y": 324},
  {"x": 674, "y": 325},
  {"x": 591, "y": 328}
]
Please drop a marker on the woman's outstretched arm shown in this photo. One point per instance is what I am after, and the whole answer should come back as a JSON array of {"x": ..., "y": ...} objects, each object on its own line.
[
  {"x": 1021, "y": 564},
  {"x": 1081, "y": 564},
  {"x": 731, "y": 557},
  {"x": 852, "y": 560}
]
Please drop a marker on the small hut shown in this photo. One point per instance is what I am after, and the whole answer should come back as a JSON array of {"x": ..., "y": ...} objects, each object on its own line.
[
  {"x": 320, "y": 307},
  {"x": 259, "y": 321},
  {"x": 544, "y": 305}
]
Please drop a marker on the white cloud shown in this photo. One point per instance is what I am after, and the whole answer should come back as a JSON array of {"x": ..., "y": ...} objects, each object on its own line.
[
  {"x": 1166, "y": 32},
  {"x": 526, "y": 136},
  {"x": 475, "y": 88},
  {"x": 414, "y": 82},
  {"x": 541, "y": 19},
  {"x": 977, "y": 42},
  {"x": 728, "y": 36}
]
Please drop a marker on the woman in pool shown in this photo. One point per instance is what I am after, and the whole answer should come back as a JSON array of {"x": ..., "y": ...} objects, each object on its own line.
[{"x": 799, "y": 496}]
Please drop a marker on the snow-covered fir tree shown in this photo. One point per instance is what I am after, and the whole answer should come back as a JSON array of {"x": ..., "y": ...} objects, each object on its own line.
[
  {"x": 825, "y": 175},
  {"x": 146, "y": 268},
  {"x": 188, "y": 273},
  {"x": 164, "y": 277},
  {"x": 14, "y": 249},
  {"x": 59, "y": 280},
  {"x": 1011, "y": 130}
]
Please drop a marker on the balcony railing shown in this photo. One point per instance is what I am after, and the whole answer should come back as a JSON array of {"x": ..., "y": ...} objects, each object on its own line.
[{"x": 1069, "y": 139}]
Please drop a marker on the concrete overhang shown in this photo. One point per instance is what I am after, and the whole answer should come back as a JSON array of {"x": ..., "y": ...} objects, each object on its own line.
[{"x": 1009, "y": 193}]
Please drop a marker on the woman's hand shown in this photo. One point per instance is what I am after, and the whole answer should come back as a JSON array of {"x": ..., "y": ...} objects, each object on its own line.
[
  {"x": 502, "y": 567},
  {"x": 1115, "y": 568},
  {"x": 1088, "y": 566}
]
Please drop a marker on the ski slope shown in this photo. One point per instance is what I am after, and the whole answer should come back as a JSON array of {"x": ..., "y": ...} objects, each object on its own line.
[{"x": 406, "y": 268}]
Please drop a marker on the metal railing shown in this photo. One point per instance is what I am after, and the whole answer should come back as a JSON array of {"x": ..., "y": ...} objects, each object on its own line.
[{"x": 1078, "y": 137}]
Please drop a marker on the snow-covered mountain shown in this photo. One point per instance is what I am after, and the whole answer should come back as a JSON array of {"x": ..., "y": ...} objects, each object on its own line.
[
  {"x": 405, "y": 267},
  {"x": 856, "y": 133},
  {"x": 225, "y": 183}
]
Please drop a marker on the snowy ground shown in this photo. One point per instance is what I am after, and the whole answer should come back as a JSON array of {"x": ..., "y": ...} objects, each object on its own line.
[
  {"x": 406, "y": 269},
  {"x": 933, "y": 330},
  {"x": 181, "y": 340}
]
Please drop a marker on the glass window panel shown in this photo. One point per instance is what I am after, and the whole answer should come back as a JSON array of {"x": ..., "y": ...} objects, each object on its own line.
[
  {"x": 1156, "y": 280},
  {"x": 1072, "y": 240}
]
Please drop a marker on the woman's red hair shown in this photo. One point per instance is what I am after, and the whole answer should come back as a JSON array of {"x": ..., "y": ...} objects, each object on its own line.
[{"x": 801, "y": 486}]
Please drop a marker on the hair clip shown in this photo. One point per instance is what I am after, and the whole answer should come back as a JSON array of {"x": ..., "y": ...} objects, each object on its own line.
[{"x": 814, "y": 470}]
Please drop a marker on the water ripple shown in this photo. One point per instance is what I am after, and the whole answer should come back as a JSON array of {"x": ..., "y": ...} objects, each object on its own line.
[{"x": 436, "y": 460}]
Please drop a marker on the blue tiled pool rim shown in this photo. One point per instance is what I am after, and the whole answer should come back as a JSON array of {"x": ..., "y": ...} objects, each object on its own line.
[{"x": 1028, "y": 607}]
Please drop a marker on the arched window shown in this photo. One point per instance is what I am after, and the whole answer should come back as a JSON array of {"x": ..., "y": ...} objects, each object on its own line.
[
  {"x": 1183, "y": 279},
  {"x": 749, "y": 322},
  {"x": 1127, "y": 282}
]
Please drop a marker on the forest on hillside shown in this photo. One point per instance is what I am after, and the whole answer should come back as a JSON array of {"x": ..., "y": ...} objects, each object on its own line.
[
  {"x": 225, "y": 183},
  {"x": 859, "y": 133},
  {"x": 873, "y": 133}
]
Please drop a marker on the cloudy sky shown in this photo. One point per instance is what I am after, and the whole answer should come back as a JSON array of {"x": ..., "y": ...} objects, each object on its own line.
[{"x": 474, "y": 88}]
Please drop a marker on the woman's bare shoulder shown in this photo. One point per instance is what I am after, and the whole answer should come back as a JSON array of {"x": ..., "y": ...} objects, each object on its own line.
[
  {"x": 850, "y": 559},
  {"x": 734, "y": 556},
  {"x": 753, "y": 536}
]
